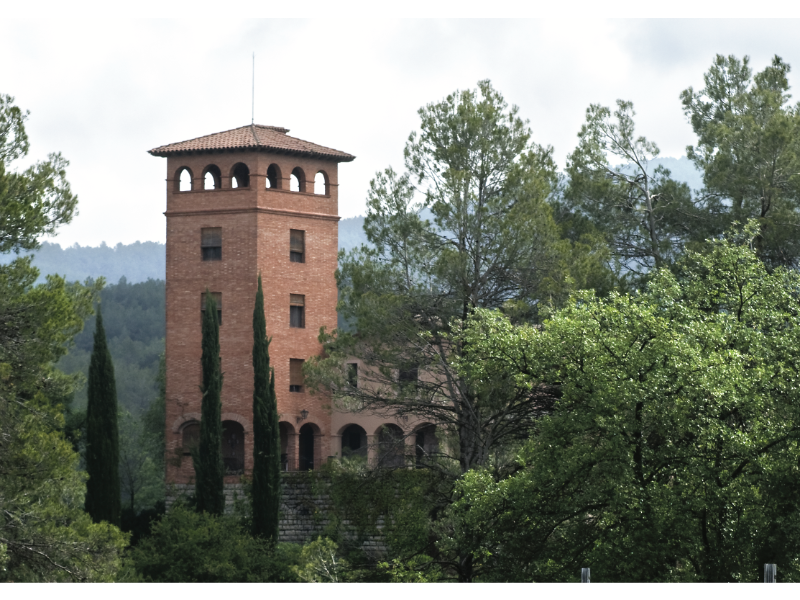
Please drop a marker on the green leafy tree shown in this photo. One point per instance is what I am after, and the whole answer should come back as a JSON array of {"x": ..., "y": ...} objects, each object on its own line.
[
  {"x": 320, "y": 563},
  {"x": 45, "y": 535},
  {"x": 671, "y": 454},
  {"x": 490, "y": 241},
  {"x": 102, "y": 433},
  {"x": 186, "y": 546},
  {"x": 266, "y": 432},
  {"x": 141, "y": 465},
  {"x": 133, "y": 318},
  {"x": 748, "y": 147},
  {"x": 468, "y": 225},
  {"x": 208, "y": 468},
  {"x": 643, "y": 214},
  {"x": 33, "y": 202},
  {"x": 154, "y": 420}
]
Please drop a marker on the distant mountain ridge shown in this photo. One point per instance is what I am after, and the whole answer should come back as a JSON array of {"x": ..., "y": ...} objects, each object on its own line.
[
  {"x": 136, "y": 262},
  {"x": 141, "y": 261},
  {"x": 681, "y": 169}
]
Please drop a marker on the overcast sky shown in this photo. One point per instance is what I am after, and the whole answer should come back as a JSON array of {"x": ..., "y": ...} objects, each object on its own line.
[{"x": 104, "y": 95}]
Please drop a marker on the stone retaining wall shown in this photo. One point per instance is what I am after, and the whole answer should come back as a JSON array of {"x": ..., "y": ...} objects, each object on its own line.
[{"x": 305, "y": 509}]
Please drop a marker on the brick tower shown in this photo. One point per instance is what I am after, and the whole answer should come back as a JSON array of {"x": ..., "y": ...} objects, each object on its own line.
[{"x": 242, "y": 202}]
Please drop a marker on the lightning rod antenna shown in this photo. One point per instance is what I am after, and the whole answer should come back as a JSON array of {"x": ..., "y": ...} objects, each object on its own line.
[{"x": 253, "y": 102}]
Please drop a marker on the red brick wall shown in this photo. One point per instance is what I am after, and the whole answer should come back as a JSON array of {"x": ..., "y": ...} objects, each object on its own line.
[{"x": 255, "y": 224}]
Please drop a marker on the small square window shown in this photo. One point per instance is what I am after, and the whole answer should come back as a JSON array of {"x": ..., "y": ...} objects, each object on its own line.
[
  {"x": 297, "y": 310},
  {"x": 409, "y": 374},
  {"x": 211, "y": 243},
  {"x": 297, "y": 245},
  {"x": 296, "y": 375},
  {"x": 217, "y": 297}
]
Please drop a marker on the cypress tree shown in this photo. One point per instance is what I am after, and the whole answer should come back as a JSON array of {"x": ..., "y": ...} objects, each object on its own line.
[
  {"x": 266, "y": 433},
  {"x": 208, "y": 468},
  {"x": 102, "y": 433}
]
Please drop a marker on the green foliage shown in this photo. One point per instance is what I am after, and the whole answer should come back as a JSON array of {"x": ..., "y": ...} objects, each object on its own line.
[
  {"x": 748, "y": 147},
  {"x": 266, "y": 432},
  {"x": 208, "y": 467},
  {"x": 186, "y": 546},
  {"x": 139, "y": 523},
  {"x": 671, "y": 454},
  {"x": 141, "y": 464},
  {"x": 102, "y": 434},
  {"x": 154, "y": 421},
  {"x": 400, "y": 506},
  {"x": 137, "y": 262},
  {"x": 134, "y": 320},
  {"x": 401, "y": 498},
  {"x": 44, "y": 533},
  {"x": 418, "y": 569},
  {"x": 320, "y": 563},
  {"x": 142, "y": 453},
  {"x": 33, "y": 202},
  {"x": 468, "y": 225},
  {"x": 643, "y": 214},
  {"x": 492, "y": 242}
]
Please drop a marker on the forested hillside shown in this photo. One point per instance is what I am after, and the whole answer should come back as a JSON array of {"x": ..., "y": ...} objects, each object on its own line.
[
  {"x": 133, "y": 315},
  {"x": 136, "y": 262}
]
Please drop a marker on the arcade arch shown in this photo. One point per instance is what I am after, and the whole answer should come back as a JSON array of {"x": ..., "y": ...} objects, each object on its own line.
[
  {"x": 212, "y": 178},
  {"x": 308, "y": 447},
  {"x": 240, "y": 176},
  {"x": 233, "y": 447},
  {"x": 354, "y": 441},
  {"x": 391, "y": 446},
  {"x": 183, "y": 180},
  {"x": 297, "y": 180},
  {"x": 321, "y": 186},
  {"x": 274, "y": 181}
]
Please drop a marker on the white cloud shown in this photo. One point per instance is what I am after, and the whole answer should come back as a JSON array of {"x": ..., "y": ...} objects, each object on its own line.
[{"x": 105, "y": 92}]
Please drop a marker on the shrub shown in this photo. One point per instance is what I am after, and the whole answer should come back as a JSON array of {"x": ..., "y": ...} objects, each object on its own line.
[{"x": 186, "y": 546}]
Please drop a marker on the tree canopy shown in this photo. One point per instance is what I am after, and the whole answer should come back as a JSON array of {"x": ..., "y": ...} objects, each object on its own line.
[
  {"x": 671, "y": 454},
  {"x": 466, "y": 226},
  {"x": 748, "y": 147},
  {"x": 44, "y": 533}
]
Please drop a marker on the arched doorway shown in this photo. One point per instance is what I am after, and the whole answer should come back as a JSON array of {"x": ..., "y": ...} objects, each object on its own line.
[
  {"x": 354, "y": 442},
  {"x": 287, "y": 440},
  {"x": 190, "y": 437},
  {"x": 233, "y": 447},
  {"x": 391, "y": 446},
  {"x": 426, "y": 443},
  {"x": 307, "y": 447}
]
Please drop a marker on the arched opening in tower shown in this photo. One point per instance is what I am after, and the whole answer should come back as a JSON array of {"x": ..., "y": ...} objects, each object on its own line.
[
  {"x": 307, "y": 447},
  {"x": 233, "y": 447}
]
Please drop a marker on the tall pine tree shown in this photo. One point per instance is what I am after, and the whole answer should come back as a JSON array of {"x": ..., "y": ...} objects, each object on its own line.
[
  {"x": 266, "y": 435},
  {"x": 102, "y": 433},
  {"x": 208, "y": 468}
]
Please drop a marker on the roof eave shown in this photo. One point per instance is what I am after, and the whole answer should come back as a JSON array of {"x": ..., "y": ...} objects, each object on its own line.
[{"x": 334, "y": 158}]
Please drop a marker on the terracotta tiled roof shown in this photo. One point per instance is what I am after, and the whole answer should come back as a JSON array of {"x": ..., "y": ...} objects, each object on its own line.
[{"x": 252, "y": 137}]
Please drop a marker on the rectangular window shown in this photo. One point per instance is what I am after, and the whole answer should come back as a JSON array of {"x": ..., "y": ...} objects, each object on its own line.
[
  {"x": 352, "y": 374},
  {"x": 409, "y": 374},
  {"x": 211, "y": 243},
  {"x": 217, "y": 297},
  {"x": 297, "y": 245},
  {"x": 296, "y": 375},
  {"x": 297, "y": 310}
]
